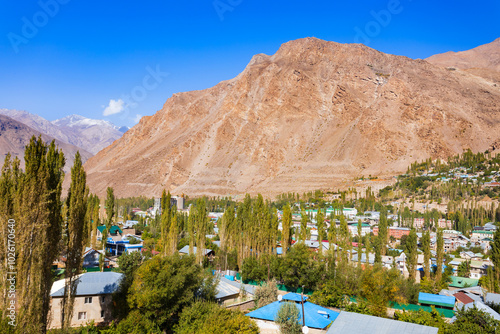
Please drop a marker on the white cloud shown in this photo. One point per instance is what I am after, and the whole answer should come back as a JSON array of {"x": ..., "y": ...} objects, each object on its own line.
[
  {"x": 137, "y": 118},
  {"x": 114, "y": 107}
]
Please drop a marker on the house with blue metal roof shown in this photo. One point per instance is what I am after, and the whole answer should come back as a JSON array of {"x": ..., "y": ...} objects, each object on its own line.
[
  {"x": 429, "y": 299},
  {"x": 93, "y": 299},
  {"x": 315, "y": 316}
]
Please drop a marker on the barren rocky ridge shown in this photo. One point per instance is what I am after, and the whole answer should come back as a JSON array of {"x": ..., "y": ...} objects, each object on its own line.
[{"x": 314, "y": 115}]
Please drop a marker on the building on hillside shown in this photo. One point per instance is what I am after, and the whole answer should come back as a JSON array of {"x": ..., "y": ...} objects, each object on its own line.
[
  {"x": 357, "y": 323},
  {"x": 477, "y": 236},
  {"x": 93, "y": 299},
  {"x": 91, "y": 258},
  {"x": 177, "y": 201},
  {"x": 365, "y": 229},
  {"x": 398, "y": 232},
  {"x": 317, "y": 318},
  {"x": 418, "y": 223},
  {"x": 443, "y": 223},
  {"x": 113, "y": 231}
]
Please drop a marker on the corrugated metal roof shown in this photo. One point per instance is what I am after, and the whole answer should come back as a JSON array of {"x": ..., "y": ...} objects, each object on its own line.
[
  {"x": 224, "y": 284},
  {"x": 492, "y": 298},
  {"x": 293, "y": 297},
  {"x": 462, "y": 297},
  {"x": 431, "y": 299},
  {"x": 97, "y": 283},
  {"x": 356, "y": 323},
  {"x": 315, "y": 315},
  {"x": 185, "y": 250},
  {"x": 483, "y": 307}
]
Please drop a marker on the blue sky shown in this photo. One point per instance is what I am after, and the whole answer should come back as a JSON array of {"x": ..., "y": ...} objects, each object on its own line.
[{"x": 62, "y": 57}]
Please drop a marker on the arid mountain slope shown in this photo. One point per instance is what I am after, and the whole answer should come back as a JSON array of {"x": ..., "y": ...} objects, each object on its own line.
[
  {"x": 311, "y": 116},
  {"x": 14, "y": 136},
  {"x": 483, "y": 61}
]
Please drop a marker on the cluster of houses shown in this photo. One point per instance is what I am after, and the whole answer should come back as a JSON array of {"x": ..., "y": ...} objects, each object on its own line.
[{"x": 93, "y": 294}]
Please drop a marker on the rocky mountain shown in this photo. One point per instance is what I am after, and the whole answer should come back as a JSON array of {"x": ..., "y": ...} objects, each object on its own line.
[
  {"x": 314, "y": 115},
  {"x": 14, "y": 136},
  {"x": 89, "y": 134},
  {"x": 483, "y": 60}
]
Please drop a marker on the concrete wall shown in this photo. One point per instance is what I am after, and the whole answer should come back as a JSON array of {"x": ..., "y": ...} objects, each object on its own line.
[{"x": 93, "y": 311}]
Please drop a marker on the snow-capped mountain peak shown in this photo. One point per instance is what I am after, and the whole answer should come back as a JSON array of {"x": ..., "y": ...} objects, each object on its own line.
[{"x": 83, "y": 122}]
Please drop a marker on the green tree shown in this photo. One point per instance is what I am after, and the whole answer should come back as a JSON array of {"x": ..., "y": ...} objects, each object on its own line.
[
  {"x": 439, "y": 255},
  {"x": 286, "y": 225},
  {"x": 208, "y": 318},
  {"x": 421, "y": 317},
  {"x": 163, "y": 286},
  {"x": 464, "y": 269},
  {"x": 473, "y": 320},
  {"x": 303, "y": 225},
  {"x": 127, "y": 264},
  {"x": 383, "y": 231},
  {"x": 109, "y": 206},
  {"x": 495, "y": 258},
  {"x": 75, "y": 223},
  {"x": 411, "y": 254},
  {"x": 299, "y": 268},
  {"x": 266, "y": 294},
  {"x": 426, "y": 245},
  {"x": 38, "y": 225},
  {"x": 320, "y": 224},
  {"x": 287, "y": 318}
]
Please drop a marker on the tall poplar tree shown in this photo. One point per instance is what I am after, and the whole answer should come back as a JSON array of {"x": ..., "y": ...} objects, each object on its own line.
[
  {"x": 382, "y": 231},
  {"x": 320, "y": 224},
  {"x": 439, "y": 255},
  {"x": 165, "y": 220},
  {"x": 426, "y": 245},
  {"x": 75, "y": 224},
  {"x": 8, "y": 188},
  {"x": 303, "y": 225},
  {"x": 495, "y": 257},
  {"x": 201, "y": 226},
  {"x": 359, "y": 244},
  {"x": 110, "y": 207},
  {"x": 411, "y": 253},
  {"x": 39, "y": 220},
  {"x": 286, "y": 225}
]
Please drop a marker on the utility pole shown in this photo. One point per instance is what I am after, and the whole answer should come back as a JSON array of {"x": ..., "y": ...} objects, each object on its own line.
[{"x": 302, "y": 302}]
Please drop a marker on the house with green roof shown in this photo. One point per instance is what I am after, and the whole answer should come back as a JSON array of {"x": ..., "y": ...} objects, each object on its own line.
[{"x": 462, "y": 282}]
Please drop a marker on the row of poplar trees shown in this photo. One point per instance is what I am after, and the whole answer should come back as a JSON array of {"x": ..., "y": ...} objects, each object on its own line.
[{"x": 46, "y": 226}]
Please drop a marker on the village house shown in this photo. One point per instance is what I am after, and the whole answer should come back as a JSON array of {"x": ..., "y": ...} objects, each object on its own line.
[
  {"x": 398, "y": 232},
  {"x": 93, "y": 299}
]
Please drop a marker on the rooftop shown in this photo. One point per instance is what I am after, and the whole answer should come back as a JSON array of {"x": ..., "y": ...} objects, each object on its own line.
[
  {"x": 315, "y": 315},
  {"x": 96, "y": 283},
  {"x": 356, "y": 323}
]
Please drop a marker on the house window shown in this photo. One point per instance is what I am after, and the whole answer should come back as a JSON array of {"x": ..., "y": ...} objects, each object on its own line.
[
  {"x": 102, "y": 314},
  {"x": 103, "y": 299},
  {"x": 82, "y": 315},
  {"x": 88, "y": 300}
]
